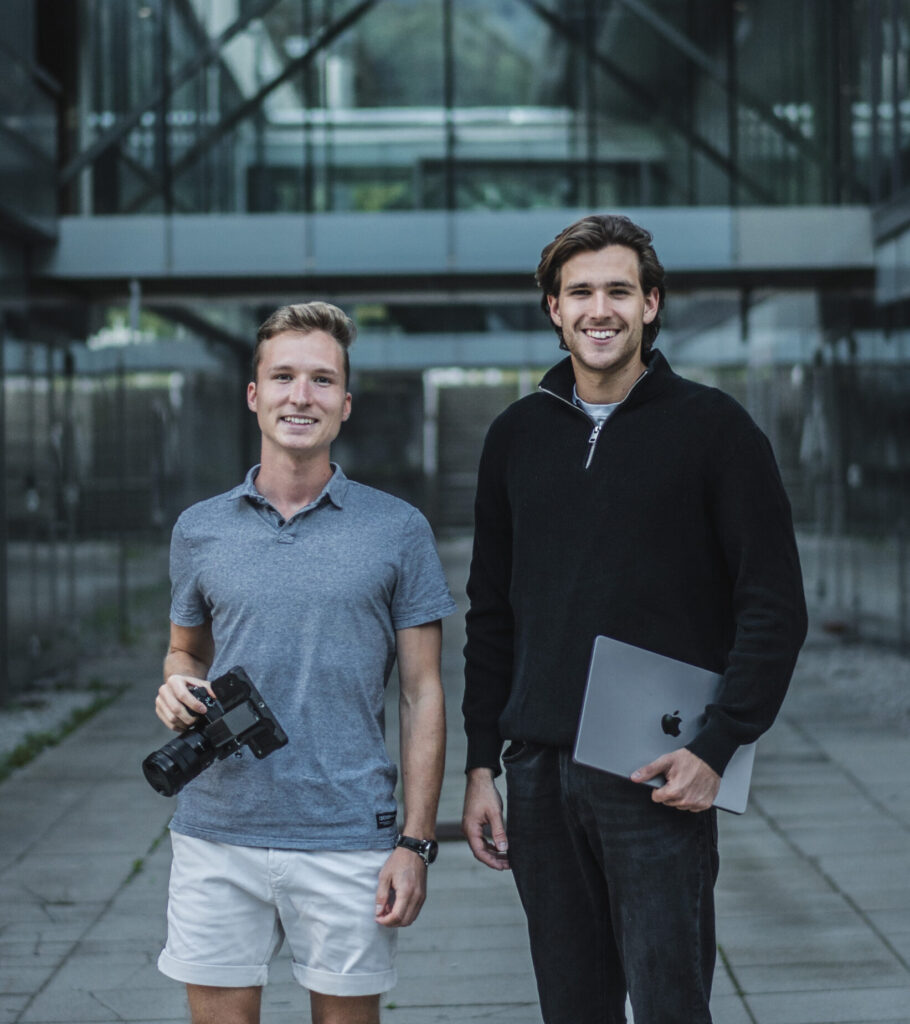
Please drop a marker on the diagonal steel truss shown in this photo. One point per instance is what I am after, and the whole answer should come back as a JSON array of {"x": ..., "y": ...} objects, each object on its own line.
[
  {"x": 643, "y": 95},
  {"x": 742, "y": 97},
  {"x": 210, "y": 50},
  {"x": 207, "y": 54}
]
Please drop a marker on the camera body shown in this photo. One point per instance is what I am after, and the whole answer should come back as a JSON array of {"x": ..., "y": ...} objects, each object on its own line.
[{"x": 236, "y": 716}]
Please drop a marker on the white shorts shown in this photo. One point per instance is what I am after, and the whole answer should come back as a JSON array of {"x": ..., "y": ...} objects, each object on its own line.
[{"x": 230, "y": 908}]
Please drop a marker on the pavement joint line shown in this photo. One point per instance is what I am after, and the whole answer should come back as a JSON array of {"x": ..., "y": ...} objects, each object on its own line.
[
  {"x": 111, "y": 1009},
  {"x": 38, "y": 839},
  {"x": 813, "y": 862},
  {"x": 740, "y": 991},
  {"x": 140, "y": 862},
  {"x": 104, "y": 908},
  {"x": 861, "y": 786},
  {"x": 863, "y": 916},
  {"x": 65, "y": 811},
  {"x": 495, "y": 1009},
  {"x": 883, "y": 809}
]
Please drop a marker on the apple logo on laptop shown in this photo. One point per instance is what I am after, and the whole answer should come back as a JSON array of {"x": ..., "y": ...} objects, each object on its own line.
[{"x": 670, "y": 723}]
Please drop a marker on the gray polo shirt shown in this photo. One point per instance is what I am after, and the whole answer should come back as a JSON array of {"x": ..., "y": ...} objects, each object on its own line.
[{"x": 309, "y": 607}]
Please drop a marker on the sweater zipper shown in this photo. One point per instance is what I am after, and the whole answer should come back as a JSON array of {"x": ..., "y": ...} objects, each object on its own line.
[
  {"x": 595, "y": 433},
  {"x": 598, "y": 427},
  {"x": 592, "y": 440}
]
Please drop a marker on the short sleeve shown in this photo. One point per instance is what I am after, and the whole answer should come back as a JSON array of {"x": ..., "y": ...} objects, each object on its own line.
[
  {"x": 188, "y": 607},
  {"x": 421, "y": 592}
]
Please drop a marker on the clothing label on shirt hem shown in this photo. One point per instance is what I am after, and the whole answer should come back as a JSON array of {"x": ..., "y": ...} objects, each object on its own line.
[{"x": 386, "y": 819}]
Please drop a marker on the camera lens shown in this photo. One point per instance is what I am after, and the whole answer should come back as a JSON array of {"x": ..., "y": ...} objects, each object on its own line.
[{"x": 169, "y": 769}]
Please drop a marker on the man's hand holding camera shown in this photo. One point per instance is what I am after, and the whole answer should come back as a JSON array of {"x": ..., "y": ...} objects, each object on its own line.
[
  {"x": 176, "y": 705},
  {"x": 233, "y": 714}
]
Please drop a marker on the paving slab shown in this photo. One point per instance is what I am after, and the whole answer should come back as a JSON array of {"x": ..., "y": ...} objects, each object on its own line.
[
  {"x": 833, "y": 1006},
  {"x": 812, "y": 971}
]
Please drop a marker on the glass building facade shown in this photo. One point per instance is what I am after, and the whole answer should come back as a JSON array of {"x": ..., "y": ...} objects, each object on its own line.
[
  {"x": 396, "y": 127},
  {"x": 334, "y": 105}
]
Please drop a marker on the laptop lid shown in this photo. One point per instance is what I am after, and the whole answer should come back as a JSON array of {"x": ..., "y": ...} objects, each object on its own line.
[{"x": 639, "y": 705}]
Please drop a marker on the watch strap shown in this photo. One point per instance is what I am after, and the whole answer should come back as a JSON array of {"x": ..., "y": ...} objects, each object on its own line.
[{"x": 424, "y": 848}]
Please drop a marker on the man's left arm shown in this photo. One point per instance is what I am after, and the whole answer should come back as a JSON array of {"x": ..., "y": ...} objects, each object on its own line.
[
  {"x": 403, "y": 880},
  {"x": 751, "y": 517}
]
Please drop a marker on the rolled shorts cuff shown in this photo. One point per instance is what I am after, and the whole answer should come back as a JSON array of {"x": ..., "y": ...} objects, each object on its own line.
[
  {"x": 358, "y": 984},
  {"x": 234, "y": 976}
]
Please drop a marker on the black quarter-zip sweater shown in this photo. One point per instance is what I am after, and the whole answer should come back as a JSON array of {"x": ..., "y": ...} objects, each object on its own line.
[{"x": 668, "y": 529}]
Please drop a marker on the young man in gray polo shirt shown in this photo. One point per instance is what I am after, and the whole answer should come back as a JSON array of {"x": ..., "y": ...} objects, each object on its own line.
[{"x": 314, "y": 584}]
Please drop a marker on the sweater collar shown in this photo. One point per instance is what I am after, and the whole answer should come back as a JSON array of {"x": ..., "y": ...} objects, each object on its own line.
[{"x": 559, "y": 380}]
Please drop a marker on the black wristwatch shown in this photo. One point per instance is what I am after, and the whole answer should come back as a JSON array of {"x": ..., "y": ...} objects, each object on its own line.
[{"x": 426, "y": 849}]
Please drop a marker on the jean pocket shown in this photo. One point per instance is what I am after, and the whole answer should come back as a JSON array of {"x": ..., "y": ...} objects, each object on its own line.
[
  {"x": 520, "y": 750},
  {"x": 514, "y": 751}
]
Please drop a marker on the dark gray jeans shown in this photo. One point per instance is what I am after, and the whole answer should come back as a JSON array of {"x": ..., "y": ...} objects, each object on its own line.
[{"x": 618, "y": 891}]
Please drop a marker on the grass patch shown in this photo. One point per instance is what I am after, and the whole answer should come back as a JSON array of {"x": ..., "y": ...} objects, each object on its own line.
[
  {"x": 35, "y": 742},
  {"x": 139, "y": 863}
]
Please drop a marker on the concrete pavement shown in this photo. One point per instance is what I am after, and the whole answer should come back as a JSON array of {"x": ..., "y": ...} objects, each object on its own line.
[{"x": 813, "y": 896}]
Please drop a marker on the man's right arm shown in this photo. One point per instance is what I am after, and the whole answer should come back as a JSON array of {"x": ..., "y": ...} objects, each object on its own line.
[
  {"x": 488, "y": 659},
  {"x": 191, "y": 651},
  {"x": 483, "y": 813}
]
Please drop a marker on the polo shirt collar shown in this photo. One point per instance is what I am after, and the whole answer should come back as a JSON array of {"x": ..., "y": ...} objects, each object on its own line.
[{"x": 334, "y": 491}]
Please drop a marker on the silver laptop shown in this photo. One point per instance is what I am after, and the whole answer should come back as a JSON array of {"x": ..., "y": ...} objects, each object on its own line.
[{"x": 639, "y": 705}]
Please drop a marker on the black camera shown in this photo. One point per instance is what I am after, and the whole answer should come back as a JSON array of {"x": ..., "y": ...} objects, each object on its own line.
[{"x": 238, "y": 716}]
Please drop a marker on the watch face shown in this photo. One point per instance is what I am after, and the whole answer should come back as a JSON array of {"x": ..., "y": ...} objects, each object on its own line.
[{"x": 432, "y": 849}]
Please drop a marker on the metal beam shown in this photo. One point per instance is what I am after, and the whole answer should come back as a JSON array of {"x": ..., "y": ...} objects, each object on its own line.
[
  {"x": 5, "y": 681},
  {"x": 324, "y": 37},
  {"x": 26, "y": 227},
  {"x": 706, "y": 64},
  {"x": 265, "y": 254},
  {"x": 152, "y": 180},
  {"x": 202, "y": 326},
  {"x": 205, "y": 55},
  {"x": 637, "y": 90}
]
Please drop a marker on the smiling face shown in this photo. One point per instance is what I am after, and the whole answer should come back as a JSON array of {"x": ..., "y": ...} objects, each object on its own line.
[
  {"x": 601, "y": 310},
  {"x": 299, "y": 394}
]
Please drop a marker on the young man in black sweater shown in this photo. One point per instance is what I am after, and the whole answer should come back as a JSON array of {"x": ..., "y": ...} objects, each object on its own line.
[{"x": 624, "y": 500}]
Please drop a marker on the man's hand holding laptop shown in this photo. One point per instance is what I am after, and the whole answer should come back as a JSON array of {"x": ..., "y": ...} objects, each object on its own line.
[{"x": 691, "y": 784}]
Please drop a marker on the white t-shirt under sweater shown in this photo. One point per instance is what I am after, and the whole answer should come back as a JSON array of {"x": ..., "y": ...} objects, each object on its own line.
[{"x": 599, "y": 413}]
